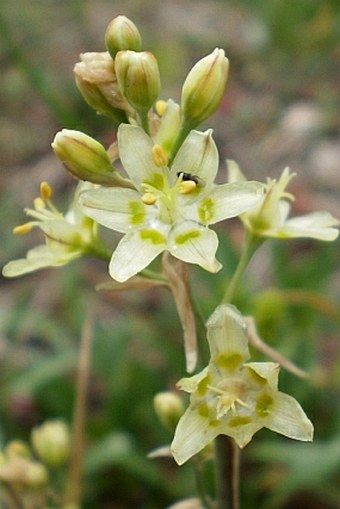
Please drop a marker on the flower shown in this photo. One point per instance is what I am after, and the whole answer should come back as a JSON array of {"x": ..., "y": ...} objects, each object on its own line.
[
  {"x": 67, "y": 237},
  {"x": 234, "y": 398},
  {"x": 170, "y": 210},
  {"x": 270, "y": 217}
]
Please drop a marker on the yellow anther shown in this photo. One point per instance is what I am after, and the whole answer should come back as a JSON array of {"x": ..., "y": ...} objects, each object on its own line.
[
  {"x": 159, "y": 156},
  {"x": 149, "y": 198},
  {"x": 161, "y": 107},
  {"x": 45, "y": 191},
  {"x": 22, "y": 229},
  {"x": 187, "y": 187},
  {"x": 39, "y": 204}
]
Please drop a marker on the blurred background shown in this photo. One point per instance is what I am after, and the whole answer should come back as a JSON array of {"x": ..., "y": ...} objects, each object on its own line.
[{"x": 281, "y": 108}]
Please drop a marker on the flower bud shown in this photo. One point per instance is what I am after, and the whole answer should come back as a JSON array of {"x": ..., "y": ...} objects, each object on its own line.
[
  {"x": 82, "y": 156},
  {"x": 36, "y": 475},
  {"x": 204, "y": 87},
  {"x": 17, "y": 448},
  {"x": 122, "y": 34},
  {"x": 51, "y": 441},
  {"x": 138, "y": 78},
  {"x": 96, "y": 80},
  {"x": 169, "y": 409}
]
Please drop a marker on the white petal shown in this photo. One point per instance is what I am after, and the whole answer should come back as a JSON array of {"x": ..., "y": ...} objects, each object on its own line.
[
  {"x": 241, "y": 429},
  {"x": 192, "y": 434},
  {"x": 116, "y": 208},
  {"x": 193, "y": 243},
  {"x": 266, "y": 370},
  {"x": 37, "y": 258},
  {"x": 135, "y": 148},
  {"x": 229, "y": 200},
  {"x": 317, "y": 225},
  {"x": 288, "y": 419},
  {"x": 197, "y": 156},
  {"x": 189, "y": 384},
  {"x": 135, "y": 252},
  {"x": 227, "y": 335}
]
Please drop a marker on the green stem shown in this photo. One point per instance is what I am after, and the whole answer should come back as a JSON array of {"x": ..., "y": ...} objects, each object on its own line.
[
  {"x": 182, "y": 134},
  {"x": 14, "y": 499},
  {"x": 144, "y": 119},
  {"x": 228, "y": 473},
  {"x": 250, "y": 245}
]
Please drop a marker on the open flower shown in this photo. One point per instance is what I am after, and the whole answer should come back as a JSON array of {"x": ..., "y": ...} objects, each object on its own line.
[
  {"x": 270, "y": 217},
  {"x": 234, "y": 398},
  {"x": 66, "y": 236},
  {"x": 170, "y": 209}
]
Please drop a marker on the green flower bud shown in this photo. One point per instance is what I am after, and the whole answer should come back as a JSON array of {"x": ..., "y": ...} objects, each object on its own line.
[
  {"x": 51, "y": 441},
  {"x": 36, "y": 475},
  {"x": 204, "y": 87},
  {"x": 96, "y": 80},
  {"x": 169, "y": 409},
  {"x": 138, "y": 78},
  {"x": 122, "y": 34},
  {"x": 17, "y": 448}
]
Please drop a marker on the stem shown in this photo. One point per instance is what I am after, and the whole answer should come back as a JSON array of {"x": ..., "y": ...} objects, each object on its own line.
[
  {"x": 73, "y": 485},
  {"x": 228, "y": 468},
  {"x": 250, "y": 245},
  {"x": 183, "y": 133},
  {"x": 14, "y": 499},
  {"x": 144, "y": 119}
]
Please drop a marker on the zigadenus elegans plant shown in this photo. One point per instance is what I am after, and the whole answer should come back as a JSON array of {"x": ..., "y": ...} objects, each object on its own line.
[{"x": 166, "y": 202}]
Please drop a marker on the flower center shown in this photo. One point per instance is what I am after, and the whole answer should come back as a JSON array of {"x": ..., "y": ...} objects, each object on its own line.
[{"x": 228, "y": 395}]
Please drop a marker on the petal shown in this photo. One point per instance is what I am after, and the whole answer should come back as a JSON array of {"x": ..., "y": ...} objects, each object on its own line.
[
  {"x": 193, "y": 243},
  {"x": 135, "y": 152},
  {"x": 229, "y": 200},
  {"x": 192, "y": 434},
  {"x": 288, "y": 419},
  {"x": 197, "y": 156},
  {"x": 37, "y": 258},
  {"x": 268, "y": 371},
  {"x": 135, "y": 252},
  {"x": 227, "y": 338},
  {"x": 317, "y": 225},
  {"x": 116, "y": 208},
  {"x": 240, "y": 428},
  {"x": 189, "y": 384}
]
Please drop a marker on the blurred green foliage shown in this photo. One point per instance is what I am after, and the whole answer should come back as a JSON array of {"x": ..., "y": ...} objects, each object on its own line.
[{"x": 137, "y": 350}]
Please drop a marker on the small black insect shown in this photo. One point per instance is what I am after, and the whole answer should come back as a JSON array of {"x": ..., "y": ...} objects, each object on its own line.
[{"x": 194, "y": 178}]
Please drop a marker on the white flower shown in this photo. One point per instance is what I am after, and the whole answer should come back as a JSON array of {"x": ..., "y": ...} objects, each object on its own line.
[
  {"x": 270, "y": 217},
  {"x": 66, "y": 237},
  {"x": 170, "y": 209},
  {"x": 234, "y": 398}
]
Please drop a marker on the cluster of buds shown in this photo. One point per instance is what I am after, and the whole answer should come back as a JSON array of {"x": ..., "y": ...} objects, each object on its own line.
[
  {"x": 24, "y": 469},
  {"x": 124, "y": 84}
]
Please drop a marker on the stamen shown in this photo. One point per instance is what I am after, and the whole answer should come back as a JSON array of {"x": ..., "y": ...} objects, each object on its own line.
[
  {"x": 149, "y": 198},
  {"x": 161, "y": 107},
  {"x": 45, "y": 191},
  {"x": 22, "y": 229},
  {"x": 187, "y": 187},
  {"x": 159, "y": 156},
  {"x": 39, "y": 204}
]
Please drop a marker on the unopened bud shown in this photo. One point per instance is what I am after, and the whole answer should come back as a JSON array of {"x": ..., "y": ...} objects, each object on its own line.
[
  {"x": 204, "y": 87},
  {"x": 82, "y": 156},
  {"x": 169, "y": 409},
  {"x": 138, "y": 78},
  {"x": 122, "y": 34},
  {"x": 51, "y": 441},
  {"x": 36, "y": 475},
  {"x": 17, "y": 448},
  {"x": 96, "y": 80}
]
